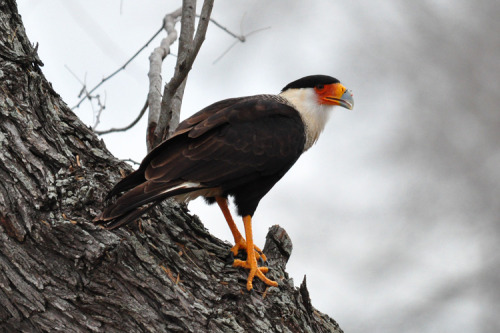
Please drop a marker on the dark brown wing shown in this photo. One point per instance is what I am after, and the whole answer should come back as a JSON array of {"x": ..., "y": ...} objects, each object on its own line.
[
  {"x": 228, "y": 145},
  {"x": 254, "y": 137}
]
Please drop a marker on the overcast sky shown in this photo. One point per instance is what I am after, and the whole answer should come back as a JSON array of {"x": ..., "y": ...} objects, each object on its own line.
[{"x": 394, "y": 213}]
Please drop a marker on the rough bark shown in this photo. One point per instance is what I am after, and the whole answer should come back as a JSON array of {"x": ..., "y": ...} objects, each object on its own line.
[{"x": 59, "y": 272}]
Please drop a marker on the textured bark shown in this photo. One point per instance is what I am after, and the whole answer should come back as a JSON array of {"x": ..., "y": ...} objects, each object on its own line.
[{"x": 59, "y": 272}]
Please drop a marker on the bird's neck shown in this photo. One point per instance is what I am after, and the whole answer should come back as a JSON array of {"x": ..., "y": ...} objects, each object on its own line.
[{"x": 313, "y": 114}]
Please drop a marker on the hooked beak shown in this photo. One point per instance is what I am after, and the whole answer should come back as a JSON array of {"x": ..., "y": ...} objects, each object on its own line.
[{"x": 347, "y": 101}]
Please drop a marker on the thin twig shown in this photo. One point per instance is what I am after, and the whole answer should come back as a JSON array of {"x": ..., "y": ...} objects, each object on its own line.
[
  {"x": 119, "y": 69},
  {"x": 74, "y": 75},
  {"x": 102, "y": 106},
  {"x": 131, "y": 160},
  {"x": 256, "y": 31},
  {"x": 242, "y": 38},
  {"x": 132, "y": 124},
  {"x": 225, "y": 52},
  {"x": 84, "y": 90}
]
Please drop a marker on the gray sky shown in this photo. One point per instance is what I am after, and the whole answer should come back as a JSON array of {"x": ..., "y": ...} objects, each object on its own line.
[{"x": 394, "y": 213}]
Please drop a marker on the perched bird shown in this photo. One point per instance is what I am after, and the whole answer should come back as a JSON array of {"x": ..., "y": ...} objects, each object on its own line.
[{"x": 237, "y": 147}]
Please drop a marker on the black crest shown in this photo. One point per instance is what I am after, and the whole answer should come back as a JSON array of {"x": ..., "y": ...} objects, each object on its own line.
[{"x": 310, "y": 81}]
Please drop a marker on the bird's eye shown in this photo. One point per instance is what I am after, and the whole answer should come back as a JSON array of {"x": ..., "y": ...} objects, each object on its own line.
[{"x": 320, "y": 87}]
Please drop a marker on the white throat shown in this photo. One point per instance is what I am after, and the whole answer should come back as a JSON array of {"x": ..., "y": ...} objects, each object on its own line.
[{"x": 314, "y": 115}]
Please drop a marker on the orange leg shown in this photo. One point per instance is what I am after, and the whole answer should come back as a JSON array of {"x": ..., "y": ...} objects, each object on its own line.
[
  {"x": 239, "y": 241},
  {"x": 251, "y": 262}
]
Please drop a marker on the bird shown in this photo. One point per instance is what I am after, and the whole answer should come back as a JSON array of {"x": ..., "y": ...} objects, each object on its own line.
[{"x": 238, "y": 147}]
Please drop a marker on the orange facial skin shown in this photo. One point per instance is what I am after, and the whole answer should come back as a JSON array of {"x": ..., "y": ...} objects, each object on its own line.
[{"x": 334, "y": 94}]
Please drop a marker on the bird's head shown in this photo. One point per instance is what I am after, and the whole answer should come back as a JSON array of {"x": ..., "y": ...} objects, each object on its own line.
[
  {"x": 327, "y": 90},
  {"x": 314, "y": 96}
]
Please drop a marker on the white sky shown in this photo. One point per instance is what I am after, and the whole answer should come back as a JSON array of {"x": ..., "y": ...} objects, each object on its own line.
[{"x": 365, "y": 266}]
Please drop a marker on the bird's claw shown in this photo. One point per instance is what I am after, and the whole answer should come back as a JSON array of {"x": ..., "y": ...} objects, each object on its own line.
[
  {"x": 262, "y": 262},
  {"x": 255, "y": 271},
  {"x": 241, "y": 244},
  {"x": 230, "y": 258}
]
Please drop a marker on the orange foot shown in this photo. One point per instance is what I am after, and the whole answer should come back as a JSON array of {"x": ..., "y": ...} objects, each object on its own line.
[
  {"x": 251, "y": 262},
  {"x": 255, "y": 271},
  {"x": 241, "y": 244},
  {"x": 239, "y": 241}
]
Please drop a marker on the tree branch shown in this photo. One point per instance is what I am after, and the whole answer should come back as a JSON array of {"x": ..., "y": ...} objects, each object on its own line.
[
  {"x": 116, "y": 71},
  {"x": 171, "y": 105},
  {"x": 154, "y": 74},
  {"x": 160, "y": 127},
  {"x": 126, "y": 128},
  {"x": 241, "y": 38},
  {"x": 166, "y": 111}
]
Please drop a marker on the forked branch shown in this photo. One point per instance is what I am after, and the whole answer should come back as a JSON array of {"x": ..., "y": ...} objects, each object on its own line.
[{"x": 164, "y": 116}]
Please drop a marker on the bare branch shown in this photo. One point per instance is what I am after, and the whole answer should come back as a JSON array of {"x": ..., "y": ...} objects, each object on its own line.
[
  {"x": 224, "y": 53},
  {"x": 199, "y": 38},
  {"x": 241, "y": 38},
  {"x": 155, "y": 61},
  {"x": 118, "y": 70},
  {"x": 98, "y": 113},
  {"x": 101, "y": 105},
  {"x": 170, "y": 105},
  {"x": 173, "y": 91},
  {"x": 126, "y": 128},
  {"x": 131, "y": 161}
]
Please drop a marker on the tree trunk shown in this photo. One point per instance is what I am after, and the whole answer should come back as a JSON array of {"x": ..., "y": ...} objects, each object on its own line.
[{"x": 60, "y": 272}]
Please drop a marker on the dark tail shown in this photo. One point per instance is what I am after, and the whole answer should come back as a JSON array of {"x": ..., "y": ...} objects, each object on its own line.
[
  {"x": 139, "y": 200},
  {"x": 126, "y": 218},
  {"x": 127, "y": 183}
]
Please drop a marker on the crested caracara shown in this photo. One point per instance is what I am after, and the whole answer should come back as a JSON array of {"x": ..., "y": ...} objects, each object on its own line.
[{"x": 237, "y": 147}]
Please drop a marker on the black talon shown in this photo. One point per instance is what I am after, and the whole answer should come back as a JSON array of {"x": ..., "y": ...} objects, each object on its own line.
[
  {"x": 230, "y": 258},
  {"x": 262, "y": 262}
]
